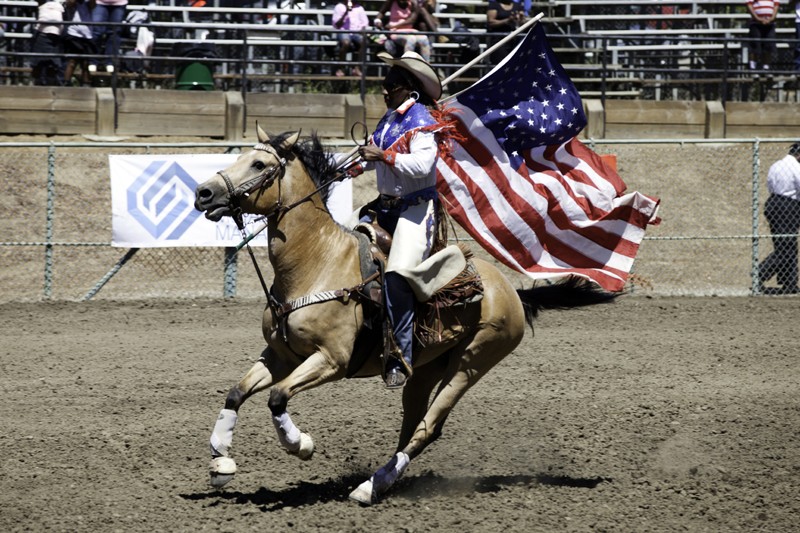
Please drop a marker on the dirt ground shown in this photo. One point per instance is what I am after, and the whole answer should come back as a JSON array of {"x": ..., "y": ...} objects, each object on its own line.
[{"x": 653, "y": 414}]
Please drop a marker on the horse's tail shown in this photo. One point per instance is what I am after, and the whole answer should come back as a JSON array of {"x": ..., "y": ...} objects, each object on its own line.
[{"x": 574, "y": 292}]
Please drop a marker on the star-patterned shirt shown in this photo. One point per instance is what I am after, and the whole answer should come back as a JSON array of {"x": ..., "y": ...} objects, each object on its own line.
[{"x": 411, "y": 151}]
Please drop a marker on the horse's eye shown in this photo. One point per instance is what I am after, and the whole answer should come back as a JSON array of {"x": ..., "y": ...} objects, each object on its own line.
[{"x": 259, "y": 165}]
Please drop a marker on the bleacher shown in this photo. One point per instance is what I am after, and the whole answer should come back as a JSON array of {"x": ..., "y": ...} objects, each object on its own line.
[{"x": 679, "y": 49}]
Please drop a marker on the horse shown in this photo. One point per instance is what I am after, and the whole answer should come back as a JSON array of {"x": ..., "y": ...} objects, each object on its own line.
[{"x": 284, "y": 179}]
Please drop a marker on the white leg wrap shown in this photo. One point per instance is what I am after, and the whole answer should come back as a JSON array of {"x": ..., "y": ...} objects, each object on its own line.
[
  {"x": 288, "y": 433},
  {"x": 222, "y": 435}
]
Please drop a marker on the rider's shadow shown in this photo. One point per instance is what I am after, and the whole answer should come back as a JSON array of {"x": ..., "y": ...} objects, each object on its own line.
[{"x": 412, "y": 487}]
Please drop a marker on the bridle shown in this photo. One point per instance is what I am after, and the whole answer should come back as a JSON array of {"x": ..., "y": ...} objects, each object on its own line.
[
  {"x": 263, "y": 181},
  {"x": 276, "y": 173}
]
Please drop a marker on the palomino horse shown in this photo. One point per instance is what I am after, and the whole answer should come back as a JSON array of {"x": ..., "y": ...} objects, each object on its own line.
[{"x": 314, "y": 343}]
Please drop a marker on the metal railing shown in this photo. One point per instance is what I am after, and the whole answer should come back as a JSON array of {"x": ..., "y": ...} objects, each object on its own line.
[
  {"x": 678, "y": 64},
  {"x": 57, "y": 223}
]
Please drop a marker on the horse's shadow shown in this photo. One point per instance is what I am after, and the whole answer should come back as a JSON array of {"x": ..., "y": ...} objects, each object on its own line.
[{"x": 423, "y": 485}]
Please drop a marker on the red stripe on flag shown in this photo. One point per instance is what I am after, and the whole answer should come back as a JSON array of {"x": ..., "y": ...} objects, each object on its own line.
[
  {"x": 456, "y": 210},
  {"x": 555, "y": 246}
]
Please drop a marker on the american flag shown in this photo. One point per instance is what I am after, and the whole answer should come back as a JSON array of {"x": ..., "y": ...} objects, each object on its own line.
[{"x": 525, "y": 188}]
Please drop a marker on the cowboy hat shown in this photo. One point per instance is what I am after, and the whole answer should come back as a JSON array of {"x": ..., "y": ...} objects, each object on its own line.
[{"x": 419, "y": 68}]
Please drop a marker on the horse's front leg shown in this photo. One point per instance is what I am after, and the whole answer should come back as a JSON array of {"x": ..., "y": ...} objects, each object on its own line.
[
  {"x": 258, "y": 378},
  {"x": 314, "y": 371}
]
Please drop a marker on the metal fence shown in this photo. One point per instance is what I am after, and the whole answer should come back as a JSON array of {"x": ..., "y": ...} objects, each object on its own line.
[{"x": 56, "y": 203}]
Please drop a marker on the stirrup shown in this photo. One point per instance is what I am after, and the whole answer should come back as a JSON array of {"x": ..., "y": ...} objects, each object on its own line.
[{"x": 395, "y": 378}]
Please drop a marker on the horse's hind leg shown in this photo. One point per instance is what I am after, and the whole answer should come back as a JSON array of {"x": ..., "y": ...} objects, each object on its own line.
[
  {"x": 258, "y": 378},
  {"x": 462, "y": 373}
]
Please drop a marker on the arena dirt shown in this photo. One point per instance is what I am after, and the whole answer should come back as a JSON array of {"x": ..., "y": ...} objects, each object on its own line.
[{"x": 652, "y": 414}]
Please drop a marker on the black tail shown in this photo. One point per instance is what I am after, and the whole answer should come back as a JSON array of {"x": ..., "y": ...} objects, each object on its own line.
[{"x": 574, "y": 292}]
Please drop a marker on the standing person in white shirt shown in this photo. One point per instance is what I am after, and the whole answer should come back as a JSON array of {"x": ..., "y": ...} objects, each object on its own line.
[
  {"x": 47, "y": 68},
  {"x": 78, "y": 39},
  {"x": 782, "y": 211}
]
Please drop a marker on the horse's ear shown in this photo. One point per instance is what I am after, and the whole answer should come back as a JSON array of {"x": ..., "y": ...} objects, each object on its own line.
[
  {"x": 290, "y": 141},
  {"x": 262, "y": 135}
]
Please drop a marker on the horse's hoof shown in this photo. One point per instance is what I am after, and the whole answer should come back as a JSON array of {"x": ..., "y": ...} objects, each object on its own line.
[
  {"x": 222, "y": 470},
  {"x": 306, "y": 447},
  {"x": 364, "y": 494}
]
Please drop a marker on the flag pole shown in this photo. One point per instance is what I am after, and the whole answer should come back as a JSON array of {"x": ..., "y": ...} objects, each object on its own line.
[{"x": 504, "y": 40}]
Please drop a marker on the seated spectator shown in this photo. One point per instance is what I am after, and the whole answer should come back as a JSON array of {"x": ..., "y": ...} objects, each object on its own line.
[
  {"x": 404, "y": 36},
  {"x": 47, "y": 69},
  {"x": 502, "y": 18},
  {"x": 78, "y": 39},
  {"x": 352, "y": 18},
  {"x": 427, "y": 16},
  {"x": 762, "y": 32}
]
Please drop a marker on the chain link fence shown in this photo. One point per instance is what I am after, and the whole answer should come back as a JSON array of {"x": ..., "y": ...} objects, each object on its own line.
[{"x": 714, "y": 235}]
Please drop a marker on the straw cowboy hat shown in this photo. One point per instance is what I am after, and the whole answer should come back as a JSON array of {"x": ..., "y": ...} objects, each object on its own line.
[{"x": 413, "y": 62}]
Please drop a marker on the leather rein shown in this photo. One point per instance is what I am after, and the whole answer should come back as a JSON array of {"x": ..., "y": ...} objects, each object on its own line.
[{"x": 280, "y": 310}]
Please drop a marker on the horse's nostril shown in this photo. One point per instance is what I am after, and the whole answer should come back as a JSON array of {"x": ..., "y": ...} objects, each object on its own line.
[{"x": 203, "y": 193}]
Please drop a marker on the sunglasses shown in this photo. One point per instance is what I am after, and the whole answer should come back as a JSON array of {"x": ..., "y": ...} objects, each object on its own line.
[{"x": 393, "y": 88}]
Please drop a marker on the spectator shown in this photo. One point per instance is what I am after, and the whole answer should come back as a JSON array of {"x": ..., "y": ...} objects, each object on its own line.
[
  {"x": 350, "y": 17},
  {"x": 782, "y": 211},
  {"x": 403, "y": 16},
  {"x": 78, "y": 39},
  {"x": 762, "y": 32},
  {"x": 796, "y": 5},
  {"x": 502, "y": 18},
  {"x": 426, "y": 21},
  {"x": 107, "y": 38},
  {"x": 47, "y": 68}
]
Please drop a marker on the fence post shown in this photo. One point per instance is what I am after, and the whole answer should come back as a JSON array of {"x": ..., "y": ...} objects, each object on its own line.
[
  {"x": 229, "y": 290},
  {"x": 754, "y": 276},
  {"x": 48, "y": 238}
]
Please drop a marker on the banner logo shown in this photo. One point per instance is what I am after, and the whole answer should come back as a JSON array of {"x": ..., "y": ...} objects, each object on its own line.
[{"x": 161, "y": 199}]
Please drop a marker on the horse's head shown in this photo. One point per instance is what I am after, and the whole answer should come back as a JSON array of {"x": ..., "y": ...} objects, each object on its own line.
[{"x": 252, "y": 184}]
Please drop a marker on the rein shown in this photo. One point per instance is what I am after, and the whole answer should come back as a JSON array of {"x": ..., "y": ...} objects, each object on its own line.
[{"x": 349, "y": 168}]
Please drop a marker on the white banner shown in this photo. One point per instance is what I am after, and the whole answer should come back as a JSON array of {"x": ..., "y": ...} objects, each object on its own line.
[{"x": 152, "y": 202}]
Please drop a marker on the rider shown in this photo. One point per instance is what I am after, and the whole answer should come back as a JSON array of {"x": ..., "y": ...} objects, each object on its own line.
[{"x": 403, "y": 151}]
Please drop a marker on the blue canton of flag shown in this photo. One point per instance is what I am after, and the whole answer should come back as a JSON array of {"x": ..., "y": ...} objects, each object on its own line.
[
  {"x": 522, "y": 184},
  {"x": 528, "y": 100}
]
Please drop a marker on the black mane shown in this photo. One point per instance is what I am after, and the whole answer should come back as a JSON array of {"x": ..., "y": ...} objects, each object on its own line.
[{"x": 312, "y": 154}]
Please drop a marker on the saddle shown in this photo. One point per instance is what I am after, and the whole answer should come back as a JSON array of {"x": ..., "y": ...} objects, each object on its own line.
[{"x": 447, "y": 279}]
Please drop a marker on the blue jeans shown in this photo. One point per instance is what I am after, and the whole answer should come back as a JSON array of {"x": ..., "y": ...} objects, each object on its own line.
[
  {"x": 797, "y": 47},
  {"x": 103, "y": 13}
]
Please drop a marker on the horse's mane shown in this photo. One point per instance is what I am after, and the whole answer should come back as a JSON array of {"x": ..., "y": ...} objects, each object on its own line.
[{"x": 315, "y": 158}]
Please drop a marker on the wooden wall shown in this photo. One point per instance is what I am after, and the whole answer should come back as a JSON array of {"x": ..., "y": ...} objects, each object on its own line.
[
  {"x": 181, "y": 113},
  {"x": 767, "y": 119},
  {"x": 646, "y": 119},
  {"x": 47, "y": 110},
  {"x": 229, "y": 115}
]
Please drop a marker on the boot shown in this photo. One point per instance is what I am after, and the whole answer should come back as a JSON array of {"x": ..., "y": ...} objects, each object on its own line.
[{"x": 400, "y": 306}]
